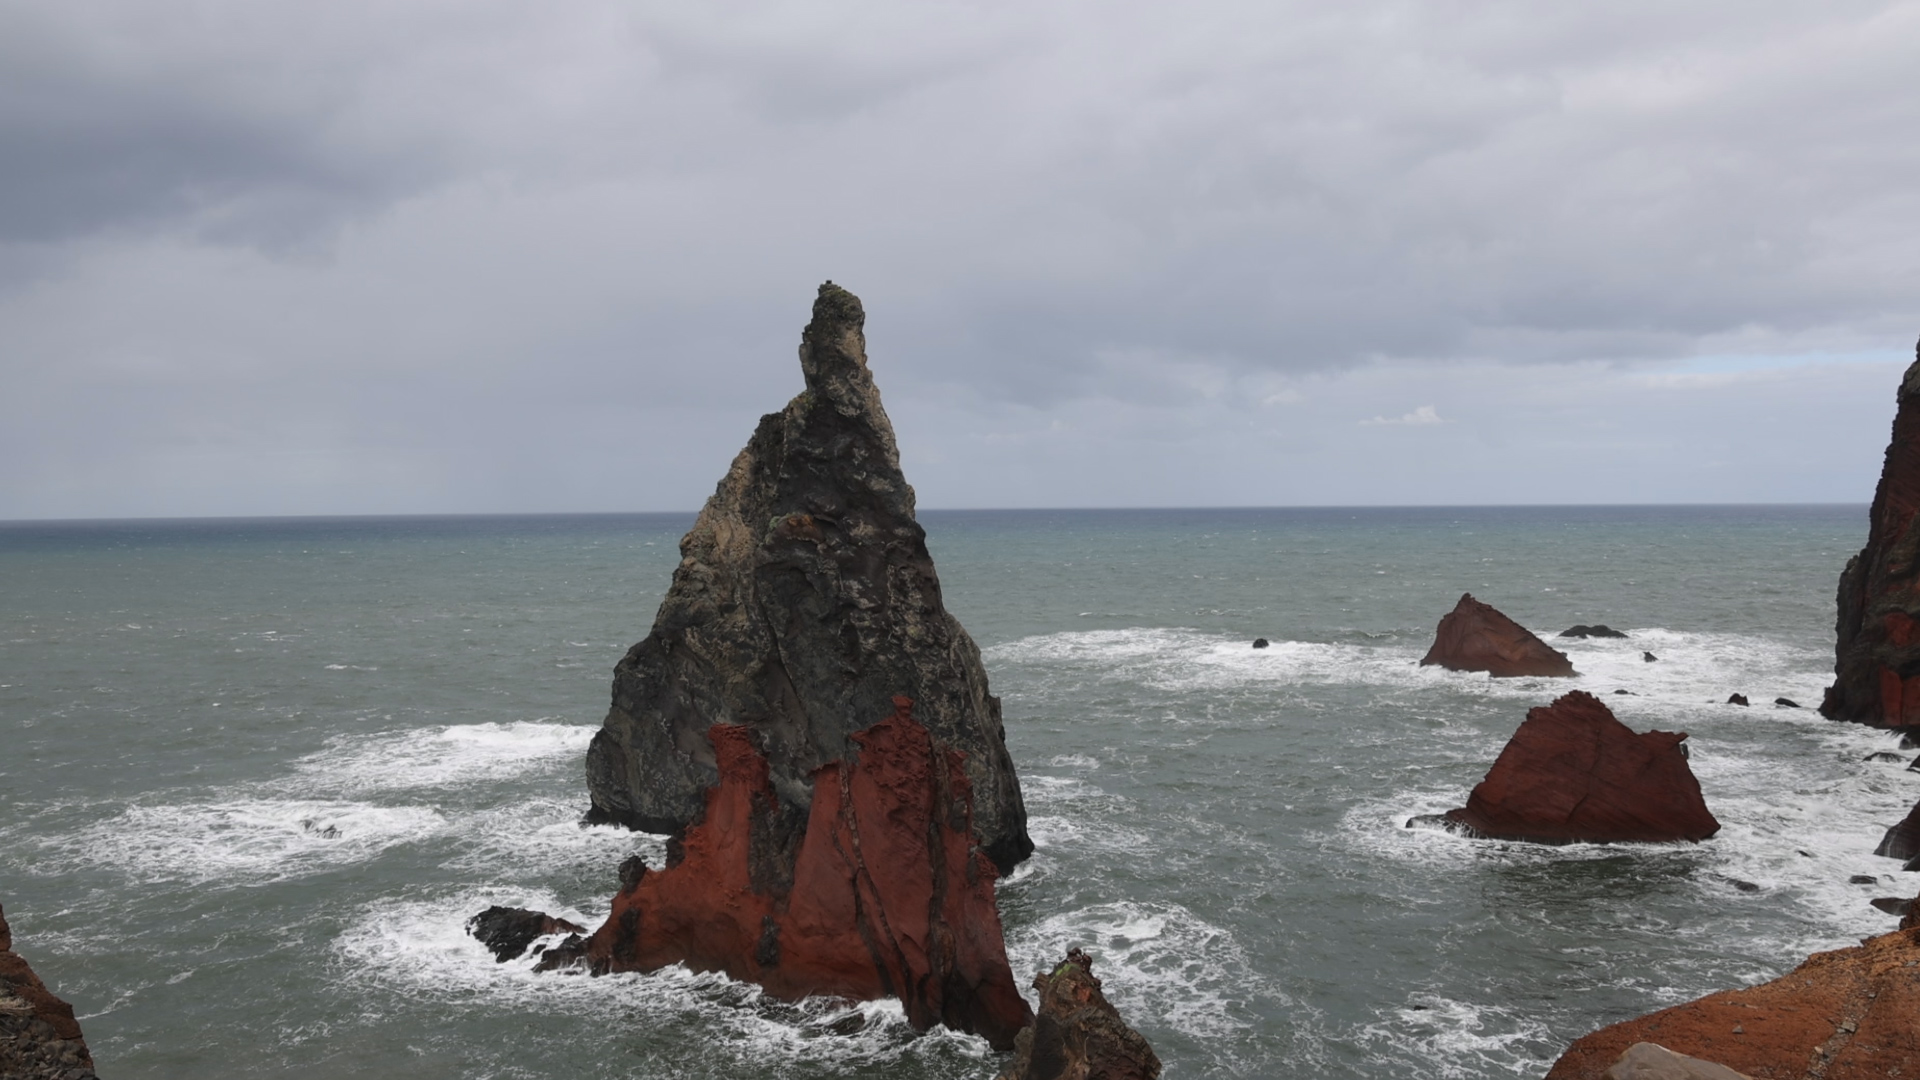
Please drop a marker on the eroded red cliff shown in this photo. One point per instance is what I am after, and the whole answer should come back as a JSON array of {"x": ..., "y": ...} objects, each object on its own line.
[
  {"x": 1477, "y": 637},
  {"x": 39, "y": 1037},
  {"x": 1574, "y": 773},
  {"x": 887, "y": 894},
  {"x": 1877, "y": 655}
]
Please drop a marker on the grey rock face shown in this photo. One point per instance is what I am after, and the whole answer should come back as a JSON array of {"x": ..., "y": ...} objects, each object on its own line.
[{"x": 805, "y": 600}]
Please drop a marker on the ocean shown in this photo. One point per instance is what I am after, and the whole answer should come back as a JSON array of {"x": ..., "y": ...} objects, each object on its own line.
[{"x": 255, "y": 775}]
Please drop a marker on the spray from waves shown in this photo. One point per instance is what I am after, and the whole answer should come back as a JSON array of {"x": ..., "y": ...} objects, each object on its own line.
[
  {"x": 244, "y": 841},
  {"x": 1157, "y": 960},
  {"x": 537, "y": 838},
  {"x": 419, "y": 950},
  {"x": 1457, "y": 1039},
  {"x": 436, "y": 757}
]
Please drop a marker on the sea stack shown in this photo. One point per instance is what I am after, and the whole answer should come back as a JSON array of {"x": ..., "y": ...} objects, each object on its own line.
[
  {"x": 1877, "y": 656},
  {"x": 1078, "y": 1035},
  {"x": 1573, "y": 773},
  {"x": 1477, "y": 637},
  {"x": 39, "y": 1037},
  {"x": 814, "y": 731}
]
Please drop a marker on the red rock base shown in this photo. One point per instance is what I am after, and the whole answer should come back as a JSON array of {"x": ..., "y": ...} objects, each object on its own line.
[{"x": 888, "y": 895}]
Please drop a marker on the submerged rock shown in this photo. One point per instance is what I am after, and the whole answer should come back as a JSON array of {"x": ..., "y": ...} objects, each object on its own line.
[
  {"x": 884, "y": 893},
  {"x": 1902, "y": 839},
  {"x": 1737, "y": 699},
  {"x": 1077, "y": 1034},
  {"x": 1842, "y": 1015},
  {"x": 1648, "y": 657},
  {"x": 805, "y": 600},
  {"x": 1582, "y": 630},
  {"x": 1786, "y": 703},
  {"x": 814, "y": 730},
  {"x": 1573, "y": 773},
  {"x": 1884, "y": 755},
  {"x": 1260, "y": 643},
  {"x": 1877, "y": 653},
  {"x": 1477, "y": 637},
  {"x": 39, "y": 1037},
  {"x": 506, "y": 932}
]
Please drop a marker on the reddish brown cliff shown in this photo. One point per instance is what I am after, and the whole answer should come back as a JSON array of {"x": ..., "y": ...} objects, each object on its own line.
[
  {"x": 1877, "y": 655},
  {"x": 39, "y": 1036},
  {"x": 887, "y": 894},
  {"x": 1573, "y": 773},
  {"x": 1842, "y": 1015},
  {"x": 1477, "y": 637}
]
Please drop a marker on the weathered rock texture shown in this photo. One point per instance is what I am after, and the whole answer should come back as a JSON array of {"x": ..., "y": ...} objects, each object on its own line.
[
  {"x": 1078, "y": 1035},
  {"x": 1877, "y": 657},
  {"x": 885, "y": 893},
  {"x": 39, "y": 1038},
  {"x": 805, "y": 600},
  {"x": 1902, "y": 839},
  {"x": 1842, "y": 1015},
  {"x": 1573, "y": 773},
  {"x": 1477, "y": 637},
  {"x": 506, "y": 932},
  {"x": 1650, "y": 1061}
]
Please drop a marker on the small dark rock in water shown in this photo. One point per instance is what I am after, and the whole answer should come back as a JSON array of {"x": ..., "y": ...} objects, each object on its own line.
[
  {"x": 1804, "y": 852},
  {"x": 1629, "y": 693},
  {"x": 1596, "y": 630},
  {"x": 1786, "y": 703},
  {"x": 1077, "y": 1033},
  {"x": 1443, "y": 823},
  {"x": 1910, "y": 739},
  {"x": 1736, "y": 699},
  {"x": 1892, "y": 905},
  {"x": 1915, "y": 767},
  {"x": 506, "y": 932},
  {"x": 1863, "y": 879},
  {"x": 1743, "y": 886},
  {"x": 1883, "y": 755},
  {"x": 1259, "y": 643},
  {"x": 1648, "y": 657},
  {"x": 1902, "y": 839}
]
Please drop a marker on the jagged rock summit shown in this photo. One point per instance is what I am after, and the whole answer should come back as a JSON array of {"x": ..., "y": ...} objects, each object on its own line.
[
  {"x": 1574, "y": 773},
  {"x": 1877, "y": 657},
  {"x": 805, "y": 601},
  {"x": 1478, "y": 637},
  {"x": 814, "y": 732}
]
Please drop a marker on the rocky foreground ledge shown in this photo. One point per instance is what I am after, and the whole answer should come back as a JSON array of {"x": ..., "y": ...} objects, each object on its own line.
[
  {"x": 39, "y": 1037},
  {"x": 1849, "y": 1014}
]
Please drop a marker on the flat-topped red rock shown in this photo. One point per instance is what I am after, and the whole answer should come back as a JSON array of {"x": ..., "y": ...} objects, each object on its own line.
[
  {"x": 1477, "y": 637},
  {"x": 1573, "y": 773}
]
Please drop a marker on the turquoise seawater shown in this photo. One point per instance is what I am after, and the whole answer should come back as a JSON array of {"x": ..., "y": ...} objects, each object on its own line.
[{"x": 254, "y": 776}]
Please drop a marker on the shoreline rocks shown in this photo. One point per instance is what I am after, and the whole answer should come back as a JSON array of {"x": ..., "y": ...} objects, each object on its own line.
[
  {"x": 507, "y": 932},
  {"x": 39, "y": 1037},
  {"x": 1876, "y": 651},
  {"x": 1842, "y": 1015},
  {"x": 1078, "y": 1034},
  {"x": 1573, "y": 773},
  {"x": 1477, "y": 637}
]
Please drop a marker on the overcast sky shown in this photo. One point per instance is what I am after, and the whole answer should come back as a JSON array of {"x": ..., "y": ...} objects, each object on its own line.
[{"x": 382, "y": 256}]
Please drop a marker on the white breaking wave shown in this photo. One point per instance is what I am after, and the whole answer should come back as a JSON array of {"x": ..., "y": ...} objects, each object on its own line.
[
  {"x": 251, "y": 841},
  {"x": 441, "y": 756}
]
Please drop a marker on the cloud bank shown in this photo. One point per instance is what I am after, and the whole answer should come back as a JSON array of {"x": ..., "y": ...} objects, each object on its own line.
[{"x": 393, "y": 257}]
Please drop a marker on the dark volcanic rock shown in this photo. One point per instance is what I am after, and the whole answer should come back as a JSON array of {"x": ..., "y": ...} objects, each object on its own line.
[
  {"x": 1476, "y": 637},
  {"x": 1842, "y": 1015},
  {"x": 1877, "y": 654},
  {"x": 506, "y": 932},
  {"x": 1884, "y": 755},
  {"x": 1582, "y": 630},
  {"x": 1737, "y": 699},
  {"x": 1259, "y": 643},
  {"x": 1648, "y": 657},
  {"x": 1573, "y": 773},
  {"x": 1078, "y": 1035},
  {"x": 39, "y": 1037},
  {"x": 1786, "y": 703},
  {"x": 882, "y": 893},
  {"x": 805, "y": 600},
  {"x": 1902, "y": 840},
  {"x": 1863, "y": 879}
]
